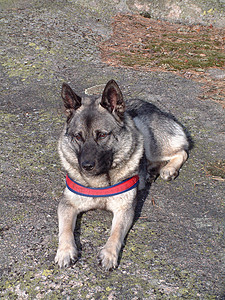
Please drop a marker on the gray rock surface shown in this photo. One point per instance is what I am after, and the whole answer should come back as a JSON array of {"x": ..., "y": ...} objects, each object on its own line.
[
  {"x": 175, "y": 250},
  {"x": 206, "y": 12}
]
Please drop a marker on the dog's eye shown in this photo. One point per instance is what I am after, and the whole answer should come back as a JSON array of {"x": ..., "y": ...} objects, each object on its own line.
[
  {"x": 101, "y": 135},
  {"x": 77, "y": 137}
]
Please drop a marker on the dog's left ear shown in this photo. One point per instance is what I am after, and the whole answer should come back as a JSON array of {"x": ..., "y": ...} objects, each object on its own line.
[{"x": 112, "y": 99}]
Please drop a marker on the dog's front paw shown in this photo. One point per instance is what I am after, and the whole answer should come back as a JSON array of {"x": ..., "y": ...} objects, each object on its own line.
[
  {"x": 66, "y": 256},
  {"x": 168, "y": 173},
  {"x": 108, "y": 258}
]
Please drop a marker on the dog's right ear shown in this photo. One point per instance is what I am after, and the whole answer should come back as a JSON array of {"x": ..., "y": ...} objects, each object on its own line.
[{"x": 71, "y": 100}]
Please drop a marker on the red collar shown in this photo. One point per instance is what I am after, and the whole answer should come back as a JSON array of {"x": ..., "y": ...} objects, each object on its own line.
[{"x": 112, "y": 190}]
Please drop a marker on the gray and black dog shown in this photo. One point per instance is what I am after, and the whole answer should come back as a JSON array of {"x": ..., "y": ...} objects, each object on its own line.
[{"x": 101, "y": 147}]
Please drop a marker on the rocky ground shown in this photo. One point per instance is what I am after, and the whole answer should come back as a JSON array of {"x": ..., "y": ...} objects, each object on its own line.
[{"x": 175, "y": 249}]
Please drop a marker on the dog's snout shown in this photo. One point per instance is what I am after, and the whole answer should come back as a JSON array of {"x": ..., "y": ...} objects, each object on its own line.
[{"x": 88, "y": 165}]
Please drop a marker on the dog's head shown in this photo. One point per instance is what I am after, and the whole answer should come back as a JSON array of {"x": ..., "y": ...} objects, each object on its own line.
[{"x": 95, "y": 128}]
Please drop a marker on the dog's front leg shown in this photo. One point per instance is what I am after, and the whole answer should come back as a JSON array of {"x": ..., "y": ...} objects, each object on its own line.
[
  {"x": 67, "y": 251},
  {"x": 121, "y": 223}
]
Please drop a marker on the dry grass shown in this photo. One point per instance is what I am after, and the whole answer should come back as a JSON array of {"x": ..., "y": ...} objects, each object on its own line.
[{"x": 142, "y": 43}]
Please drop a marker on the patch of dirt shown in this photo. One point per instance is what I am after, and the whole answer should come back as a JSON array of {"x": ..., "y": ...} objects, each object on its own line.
[
  {"x": 188, "y": 50},
  {"x": 216, "y": 170}
]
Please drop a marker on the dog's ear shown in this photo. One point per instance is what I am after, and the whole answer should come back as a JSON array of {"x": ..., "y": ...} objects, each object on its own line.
[
  {"x": 112, "y": 99},
  {"x": 71, "y": 100}
]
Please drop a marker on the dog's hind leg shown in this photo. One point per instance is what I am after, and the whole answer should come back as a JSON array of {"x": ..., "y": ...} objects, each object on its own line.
[{"x": 171, "y": 169}]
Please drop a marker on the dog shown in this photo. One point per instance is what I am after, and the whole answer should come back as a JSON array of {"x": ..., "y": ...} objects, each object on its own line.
[{"x": 101, "y": 148}]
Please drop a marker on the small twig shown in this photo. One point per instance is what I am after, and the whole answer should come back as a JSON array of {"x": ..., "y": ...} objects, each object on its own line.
[
  {"x": 153, "y": 201},
  {"x": 198, "y": 183},
  {"x": 218, "y": 178}
]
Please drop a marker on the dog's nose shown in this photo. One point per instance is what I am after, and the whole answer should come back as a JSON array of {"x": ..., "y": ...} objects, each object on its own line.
[{"x": 88, "y": 165}]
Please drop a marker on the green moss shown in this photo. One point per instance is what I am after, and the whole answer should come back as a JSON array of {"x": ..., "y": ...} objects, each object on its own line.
[
  {"x": 19, "y": 217},
  {"x": 133, "y": 60},
  {"x": 15, "y": 67}
]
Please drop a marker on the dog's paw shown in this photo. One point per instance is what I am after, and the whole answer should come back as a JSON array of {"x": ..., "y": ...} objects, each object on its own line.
[
  {"x": 168, "y": 173},
  {"x": 66, "y": 256},
  {"x": 108, "y": 259}
]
